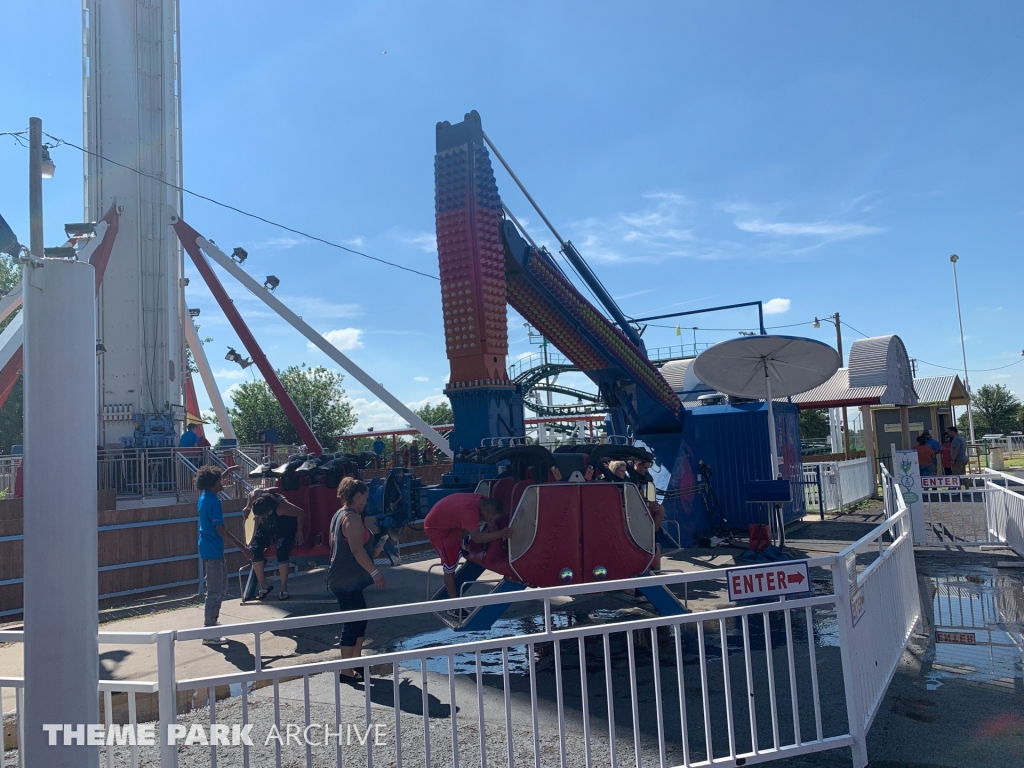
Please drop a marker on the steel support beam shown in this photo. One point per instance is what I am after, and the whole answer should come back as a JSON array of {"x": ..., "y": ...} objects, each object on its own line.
[
  {"x": 192, "y": 242},
  {"x": 306, "y": 330}
]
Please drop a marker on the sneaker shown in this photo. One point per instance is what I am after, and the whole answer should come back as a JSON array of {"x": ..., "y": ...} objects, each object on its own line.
[{"x": 215, "y": 641}]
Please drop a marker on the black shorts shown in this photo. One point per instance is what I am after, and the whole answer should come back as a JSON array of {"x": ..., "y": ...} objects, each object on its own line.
[{"x": 281, "y": 538}]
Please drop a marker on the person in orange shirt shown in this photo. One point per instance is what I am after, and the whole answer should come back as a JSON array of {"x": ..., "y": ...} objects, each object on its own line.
[{"x": 925, "y": 456}]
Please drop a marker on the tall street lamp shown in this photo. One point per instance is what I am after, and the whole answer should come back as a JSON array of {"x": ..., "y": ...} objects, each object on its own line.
[
  {"x": 963, "y": 348},
  {"x": 834, "y": 319}
]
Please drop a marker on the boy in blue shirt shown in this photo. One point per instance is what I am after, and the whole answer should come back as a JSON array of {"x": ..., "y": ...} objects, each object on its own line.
[
  {"x": 210, "y": 481},
  {"x": 189, "y": 439}
]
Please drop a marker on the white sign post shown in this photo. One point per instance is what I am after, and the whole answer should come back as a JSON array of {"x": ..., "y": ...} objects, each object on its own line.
[{"x": 908, "y": 475}]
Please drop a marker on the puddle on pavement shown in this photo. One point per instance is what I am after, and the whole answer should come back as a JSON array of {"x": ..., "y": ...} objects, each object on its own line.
[
  {"x": 826, "y": 634},
  {"x": 974, "y": 617}
]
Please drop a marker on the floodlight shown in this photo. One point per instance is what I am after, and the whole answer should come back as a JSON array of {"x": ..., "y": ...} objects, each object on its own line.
[
  {"x": 817, "y": 323},
  {"x": 48, "y": 167},
  {"x": 193, "y": 312},
  {"x": 239, "y": 254},
  {"x": 271, "y": 283},
  {"x": 60, "y": 252},
  {"x": 100, "y": 349},
  {"x": 81, "y": 230},
  {"x": 233, "y": 357}
]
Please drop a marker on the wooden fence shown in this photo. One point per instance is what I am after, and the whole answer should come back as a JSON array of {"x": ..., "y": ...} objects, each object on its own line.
[{"x": 143, "y": 552}]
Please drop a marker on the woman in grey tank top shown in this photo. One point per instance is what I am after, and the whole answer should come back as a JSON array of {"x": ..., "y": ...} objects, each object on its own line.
[{"x": 351, "y": 569}]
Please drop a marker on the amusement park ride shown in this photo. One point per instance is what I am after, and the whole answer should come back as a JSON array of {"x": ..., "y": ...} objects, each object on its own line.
[{"x": 563, "y": 531}]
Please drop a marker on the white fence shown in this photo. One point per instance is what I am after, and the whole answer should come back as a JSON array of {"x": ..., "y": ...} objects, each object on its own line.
[
  {"x": 986, "y": 509},
  {"x": 750, "y": 683},
  {"x": 842, "y": 483},
  {"x": 1012, "y": 445}
]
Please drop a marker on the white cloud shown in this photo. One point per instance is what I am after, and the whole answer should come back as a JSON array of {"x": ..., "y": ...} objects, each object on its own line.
[
  {"x": 420, "y": 378},
  {"x": 374, "y": 413},
  {"x": 355, "y": 242},
  {"x": 228, "y": 394},
  {"x": 342, "y": 338},
  {"x": 776, "y": 306},
  {"x": 835, "y": 230},
  {"x": 230, "y": 374},
  {"x": 425, "y": 241},
  {"x": 276, "y": 244}
]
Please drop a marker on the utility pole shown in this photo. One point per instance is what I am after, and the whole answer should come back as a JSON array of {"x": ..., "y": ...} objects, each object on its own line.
[
  {"x": 839, "y": 348},
  {"x": 953, "y": 258},
  {"x": 60, "y": 547},
  {"x": 35, "y": 186}
]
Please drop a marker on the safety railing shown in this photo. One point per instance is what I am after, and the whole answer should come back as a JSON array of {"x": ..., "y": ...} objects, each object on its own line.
[
  {"x": 753, "y": 681},
  {"x": 878, "y": 608},
  {"x": 123, "y": 706},
  {"x": 142, "y": 473},
  {"x": 1005, "y": 512},
  {"x": 8, "y": 474},
  {"x": 834, "y": 485}
]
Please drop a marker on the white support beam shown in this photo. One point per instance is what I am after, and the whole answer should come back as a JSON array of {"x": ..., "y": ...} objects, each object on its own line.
[
  {"x": 10, "y": 302},
  {"x": 328, "y": 349},
  {"x": 206, "y": 374},
  {"x": 11, "y": 340}
]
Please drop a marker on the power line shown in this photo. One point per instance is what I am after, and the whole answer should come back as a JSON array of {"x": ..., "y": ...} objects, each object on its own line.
[
  {"x": 854, "y": 329},
  {"x": 18, "y": 137},
  {"x": 973, "y": 370}
]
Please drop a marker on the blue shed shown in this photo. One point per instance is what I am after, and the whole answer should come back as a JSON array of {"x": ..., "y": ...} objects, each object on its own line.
[{"x": 733, "y": 441}]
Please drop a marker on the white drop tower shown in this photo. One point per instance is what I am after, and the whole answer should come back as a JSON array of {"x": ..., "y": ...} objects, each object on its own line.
[{"x": 132, "y": 116}]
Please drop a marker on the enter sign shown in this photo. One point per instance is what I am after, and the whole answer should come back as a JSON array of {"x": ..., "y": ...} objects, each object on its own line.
[{"x": 772, "y": 580}]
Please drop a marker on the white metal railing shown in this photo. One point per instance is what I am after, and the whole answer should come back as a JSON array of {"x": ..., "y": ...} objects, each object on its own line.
[
  {"x": 878, "y": 607},
  {"x": 1005, "y": 512},
  {"x": 842, "y": 483},
  {"x": 1012, "y": 445},
  {"x": 8, "y": 474},
  {"x": 752, "y": 682}
]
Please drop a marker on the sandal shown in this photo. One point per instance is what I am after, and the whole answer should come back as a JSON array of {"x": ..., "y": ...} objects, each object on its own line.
[
  {"x": 284, "y": 596},
  {"x": 354, "y": 679},
  {"x": 262, "y": 595}
]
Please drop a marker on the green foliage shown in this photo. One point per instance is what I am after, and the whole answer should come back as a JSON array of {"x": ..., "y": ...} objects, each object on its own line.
[
  {"x": 317, "y": 393},
  {"x": 996, "y": 411},
  {"x": 813, "y": 425},
  {"x": 435, "y": 415}
]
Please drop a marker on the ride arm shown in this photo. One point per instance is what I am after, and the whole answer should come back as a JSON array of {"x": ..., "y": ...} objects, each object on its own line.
[{"x": 325, "y": 346}]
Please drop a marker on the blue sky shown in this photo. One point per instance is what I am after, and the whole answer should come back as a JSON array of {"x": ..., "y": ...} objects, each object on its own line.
[{"x": 698, "y": 154}]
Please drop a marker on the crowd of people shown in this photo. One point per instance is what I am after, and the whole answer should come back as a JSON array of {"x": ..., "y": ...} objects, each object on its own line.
[
  {"x": 452, "y": 524},
  {"x": 947, "y": 458}
]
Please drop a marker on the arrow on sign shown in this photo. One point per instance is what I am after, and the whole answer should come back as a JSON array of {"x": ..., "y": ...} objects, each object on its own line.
[{"x": 795, "y": 578}]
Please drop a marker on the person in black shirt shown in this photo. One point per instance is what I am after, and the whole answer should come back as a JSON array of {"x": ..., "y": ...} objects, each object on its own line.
[{"x": 279, "y": 524}]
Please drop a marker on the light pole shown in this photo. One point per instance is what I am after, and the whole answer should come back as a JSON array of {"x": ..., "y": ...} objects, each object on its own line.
[
  {"x": 953, "y": 258},
  {"x": 834, "y": 319}
]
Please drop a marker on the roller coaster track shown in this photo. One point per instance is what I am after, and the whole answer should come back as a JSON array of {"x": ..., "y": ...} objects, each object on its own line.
[{"x": 532, "y": 374}]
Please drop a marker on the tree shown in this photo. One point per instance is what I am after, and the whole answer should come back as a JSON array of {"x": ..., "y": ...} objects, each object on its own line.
[
  {"x": 317, "y": 393},
  {"x": 436, "y": 415},
  {"x": 996, "y": 410},
  {"x": 813, "y": 425}
]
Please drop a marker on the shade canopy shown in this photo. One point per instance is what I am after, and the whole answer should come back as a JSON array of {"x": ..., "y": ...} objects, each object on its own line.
[{"x": 794, "y": 365}]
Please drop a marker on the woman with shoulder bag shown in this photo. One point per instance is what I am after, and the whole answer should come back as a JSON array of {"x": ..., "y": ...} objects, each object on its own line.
[{"x": 351, "y": 569}]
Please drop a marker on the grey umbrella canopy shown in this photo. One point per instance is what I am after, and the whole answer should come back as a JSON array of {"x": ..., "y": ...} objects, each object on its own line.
[{"x": 765, "y": 366}]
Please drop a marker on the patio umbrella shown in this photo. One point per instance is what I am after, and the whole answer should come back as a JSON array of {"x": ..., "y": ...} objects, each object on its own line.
[{"x": 767, "y": 366}]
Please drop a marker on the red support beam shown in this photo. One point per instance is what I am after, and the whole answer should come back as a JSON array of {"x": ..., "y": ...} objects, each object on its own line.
[
  {"x": 9, "y": 375},
  {"x": 188, "y": 237},
  {"x": 101, "y": 255}
]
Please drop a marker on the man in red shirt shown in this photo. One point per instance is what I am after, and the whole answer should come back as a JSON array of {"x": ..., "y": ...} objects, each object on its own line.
[{"x": 455, "y": 517}]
